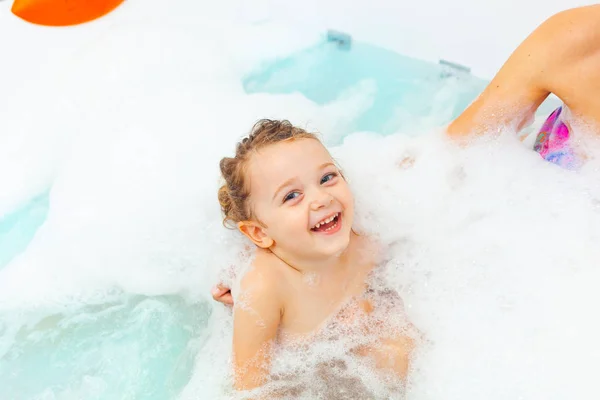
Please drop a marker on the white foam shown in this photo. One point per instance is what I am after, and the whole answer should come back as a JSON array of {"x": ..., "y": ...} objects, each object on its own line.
[{"x": 497, "y": 264}]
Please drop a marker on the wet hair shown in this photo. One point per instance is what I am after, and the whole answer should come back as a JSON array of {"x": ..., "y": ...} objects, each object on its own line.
[{"x": 234, "y": 194}]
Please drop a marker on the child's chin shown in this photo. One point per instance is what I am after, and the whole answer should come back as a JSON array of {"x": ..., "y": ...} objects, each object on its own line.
[{"x": 338, "y": 248}]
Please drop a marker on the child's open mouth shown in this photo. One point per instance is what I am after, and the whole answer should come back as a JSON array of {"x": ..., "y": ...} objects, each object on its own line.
[{"x": 329, "y": 225}]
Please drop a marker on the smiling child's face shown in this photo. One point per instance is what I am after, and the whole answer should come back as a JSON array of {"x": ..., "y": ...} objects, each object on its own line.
[{"x": 304, "y": 205}]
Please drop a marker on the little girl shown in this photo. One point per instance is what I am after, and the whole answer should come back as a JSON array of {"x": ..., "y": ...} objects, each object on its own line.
[{"x": 309, "y": 278}]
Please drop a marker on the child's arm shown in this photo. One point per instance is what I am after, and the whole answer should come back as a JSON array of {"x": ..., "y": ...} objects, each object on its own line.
[
  {"x": 394, "y": 355},
  {"x": 256, "y": 317}
]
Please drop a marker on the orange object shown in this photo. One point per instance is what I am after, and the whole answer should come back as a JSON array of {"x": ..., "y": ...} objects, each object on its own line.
[{"x": 62, "y": 12}]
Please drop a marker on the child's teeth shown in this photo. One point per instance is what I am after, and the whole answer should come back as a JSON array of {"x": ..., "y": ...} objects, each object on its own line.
[{"x": 325, "y": 221}]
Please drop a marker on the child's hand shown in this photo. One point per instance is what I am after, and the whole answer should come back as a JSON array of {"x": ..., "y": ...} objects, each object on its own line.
[{"x": 222, "y": 294}]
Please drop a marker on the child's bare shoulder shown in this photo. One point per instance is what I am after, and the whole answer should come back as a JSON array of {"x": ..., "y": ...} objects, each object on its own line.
[{"x": 264, "y": 276}]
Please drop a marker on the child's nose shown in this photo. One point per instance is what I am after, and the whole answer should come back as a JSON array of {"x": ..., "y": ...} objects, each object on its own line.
[{"x": 322, "y": 199}]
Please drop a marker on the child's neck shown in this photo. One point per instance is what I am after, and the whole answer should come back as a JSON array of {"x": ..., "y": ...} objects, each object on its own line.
[{"x": 325, "y": 265}]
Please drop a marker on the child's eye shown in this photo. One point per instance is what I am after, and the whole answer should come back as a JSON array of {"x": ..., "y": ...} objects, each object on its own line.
[
  {"x": 290, "y": 196},
  {"x": 328, "y": 177}
]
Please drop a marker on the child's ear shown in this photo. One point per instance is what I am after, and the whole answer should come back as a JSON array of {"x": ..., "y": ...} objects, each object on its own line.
[{"x": 256, "y": 233}]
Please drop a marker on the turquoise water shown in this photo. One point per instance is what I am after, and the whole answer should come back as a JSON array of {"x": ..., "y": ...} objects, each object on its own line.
[
  {"x": 133, "y": 348},
  {"x": 18, "y": 228},
  {"x": 403, "y": 88},
  {"x": 81, "y": 353},
  {"x": 136, "y": 347}
]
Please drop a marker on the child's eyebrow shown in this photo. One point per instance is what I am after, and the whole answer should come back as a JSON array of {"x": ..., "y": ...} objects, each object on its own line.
[{"x": 326, "y": 165}]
